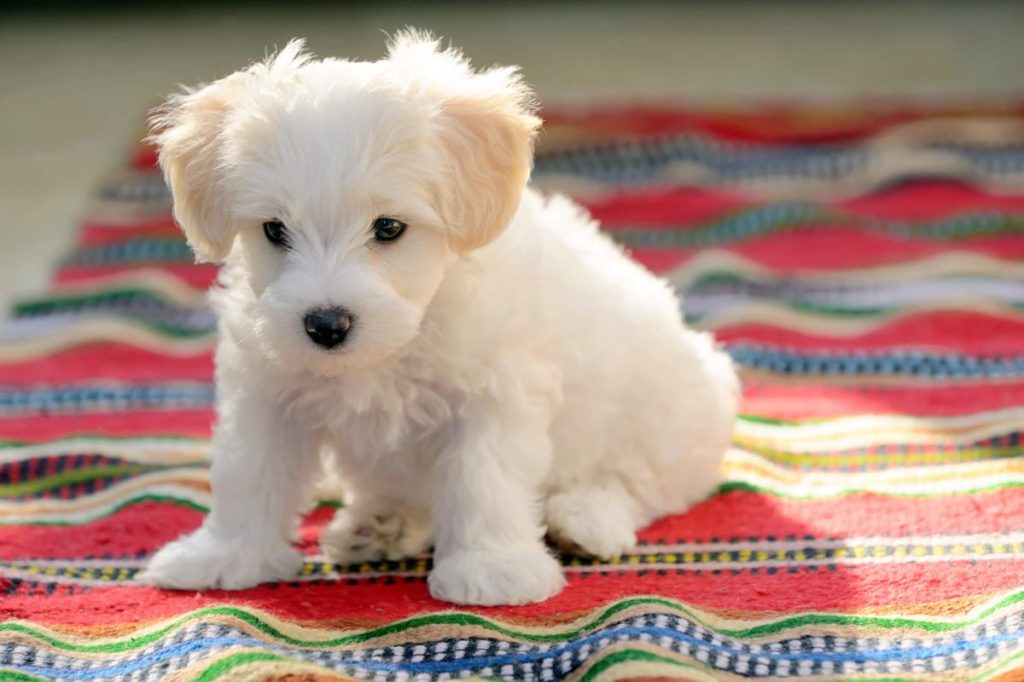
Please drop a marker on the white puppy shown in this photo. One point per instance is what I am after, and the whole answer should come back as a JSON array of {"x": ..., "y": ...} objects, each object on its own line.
[{"x": 482, "y": 365}]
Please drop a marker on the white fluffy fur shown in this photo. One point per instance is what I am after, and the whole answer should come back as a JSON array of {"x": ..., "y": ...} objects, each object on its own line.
[{"x": 511, "y": 373}]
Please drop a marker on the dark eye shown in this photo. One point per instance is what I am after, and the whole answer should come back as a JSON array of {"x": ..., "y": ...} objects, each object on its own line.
[
  {"x": 387, "y": 229},
  {"x": 277, "y": 233}
]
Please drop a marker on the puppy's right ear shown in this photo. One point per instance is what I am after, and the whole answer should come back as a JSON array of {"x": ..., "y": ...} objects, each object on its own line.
[{"x": 188, "y": 132}]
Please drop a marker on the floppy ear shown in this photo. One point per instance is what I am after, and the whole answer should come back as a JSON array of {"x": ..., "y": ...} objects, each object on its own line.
[
  {"x": 486, "y": 125},
  {"x": 188, "y": 133}
]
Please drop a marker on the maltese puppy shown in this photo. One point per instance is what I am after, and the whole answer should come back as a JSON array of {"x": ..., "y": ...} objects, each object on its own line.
[{"x": 480, "y": 364}]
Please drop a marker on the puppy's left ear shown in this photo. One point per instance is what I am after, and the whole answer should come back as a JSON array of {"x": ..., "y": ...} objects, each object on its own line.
[{"x": 486, "y": 126}]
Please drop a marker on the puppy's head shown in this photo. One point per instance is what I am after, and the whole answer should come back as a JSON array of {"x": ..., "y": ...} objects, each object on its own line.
[{"x": 343, "y": 190}]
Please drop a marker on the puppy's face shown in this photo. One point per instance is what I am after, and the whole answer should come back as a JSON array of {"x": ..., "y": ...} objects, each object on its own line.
[
  {"x": 343, "y": 190},
  {"x": 339, "y": 237}
]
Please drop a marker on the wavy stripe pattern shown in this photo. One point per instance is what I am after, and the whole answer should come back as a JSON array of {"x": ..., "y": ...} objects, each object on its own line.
[
  {"x": 714, "y": 296},
  {"x": 775, "y": 217},
  {"x": 108, "y": 397},
  {"x": 766, "y": 650},
  {"x": 870, "y": 519},
  {"x": 98, "y": 489},
  {"x": 632, "y": 162},
  {"x": 757, "y": 554},
  {"x": 709, "y": 294}
]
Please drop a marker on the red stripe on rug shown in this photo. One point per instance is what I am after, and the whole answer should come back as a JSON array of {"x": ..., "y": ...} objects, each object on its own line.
[
  {"x": 39, "y": 428},
  {"x": 738, "y": 515},
  {"x": 99, "y": 233},
  {"x": 843, "y": 589},
  {"x": 768, "y": 123},
  {"x": 833, "y": 248},
  {"x": 798, "y": 402},
  {"x": 678, "y": 206},
  {"x": 143, "y": 527},
  {"x": 742, "y": 514},
  {"x": 197, "y": 276},
  {"x": 686, "y": 207},
  {"x": 110, "y": 362}
]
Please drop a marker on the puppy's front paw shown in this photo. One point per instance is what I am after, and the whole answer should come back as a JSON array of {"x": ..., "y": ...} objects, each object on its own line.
[
  {"x": 355, "y": 536},
  {"x": 201, "y": 561},
  {"x": 495, "y": 577}
]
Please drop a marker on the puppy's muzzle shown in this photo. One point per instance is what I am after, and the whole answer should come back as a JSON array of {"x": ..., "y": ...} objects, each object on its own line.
[{"x": 328, "y": 327}]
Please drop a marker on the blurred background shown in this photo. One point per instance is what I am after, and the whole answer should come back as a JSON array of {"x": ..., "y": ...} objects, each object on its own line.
[{"x": 75, "y": 82}]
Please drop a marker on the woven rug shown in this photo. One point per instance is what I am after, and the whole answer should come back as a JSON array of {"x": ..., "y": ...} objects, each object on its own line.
[{"x": 863, "y": 265}]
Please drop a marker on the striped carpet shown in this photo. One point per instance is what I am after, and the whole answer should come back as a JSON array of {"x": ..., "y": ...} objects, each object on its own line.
[{"x": 863, "y": 265}]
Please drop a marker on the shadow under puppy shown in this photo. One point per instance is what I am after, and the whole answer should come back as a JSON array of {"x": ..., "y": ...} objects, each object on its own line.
[{"x": 482, "y": 366}]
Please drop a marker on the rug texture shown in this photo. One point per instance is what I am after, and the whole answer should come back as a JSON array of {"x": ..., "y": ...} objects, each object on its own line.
[{"x": 863, "y": 265}]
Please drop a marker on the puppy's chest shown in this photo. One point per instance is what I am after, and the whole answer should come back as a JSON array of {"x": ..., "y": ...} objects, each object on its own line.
[{"x": 397, "y": 419}]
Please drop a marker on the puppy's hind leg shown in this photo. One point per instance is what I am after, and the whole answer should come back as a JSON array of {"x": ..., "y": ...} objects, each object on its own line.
[
  {"x": 377, "y": 529},
  {"x": 600, "y": 520}
]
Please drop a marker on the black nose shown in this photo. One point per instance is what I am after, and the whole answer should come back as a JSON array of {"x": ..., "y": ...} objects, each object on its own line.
[{"x": 328, "y": 327}]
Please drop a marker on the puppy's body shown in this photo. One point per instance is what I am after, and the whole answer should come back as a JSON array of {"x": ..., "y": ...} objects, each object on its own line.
[{"x": 545, "y": 383}]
